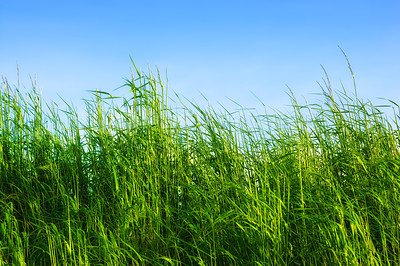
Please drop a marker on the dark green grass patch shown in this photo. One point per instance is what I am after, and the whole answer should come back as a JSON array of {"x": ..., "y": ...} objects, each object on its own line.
[{"x": 138, "y": 183}]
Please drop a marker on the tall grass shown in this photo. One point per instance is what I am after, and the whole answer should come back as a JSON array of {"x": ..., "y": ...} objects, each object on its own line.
[{"x": 142, "y": 184}]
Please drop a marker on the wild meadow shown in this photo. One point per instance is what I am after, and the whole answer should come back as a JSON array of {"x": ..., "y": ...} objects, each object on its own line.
[{"x": 140, "y": 183}]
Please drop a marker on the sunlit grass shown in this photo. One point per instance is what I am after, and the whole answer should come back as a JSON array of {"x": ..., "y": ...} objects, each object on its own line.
[{"x": 143, "y": 184}]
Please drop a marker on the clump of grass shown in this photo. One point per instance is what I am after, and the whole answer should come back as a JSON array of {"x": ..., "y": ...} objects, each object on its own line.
[{"x": 142, "y": 184}]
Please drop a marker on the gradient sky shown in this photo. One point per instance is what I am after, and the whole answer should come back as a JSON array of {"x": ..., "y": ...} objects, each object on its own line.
[{"x": 218, "y": 48}]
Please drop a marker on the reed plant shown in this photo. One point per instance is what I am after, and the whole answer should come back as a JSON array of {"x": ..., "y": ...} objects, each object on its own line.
[{"x": 140, "y": 183}]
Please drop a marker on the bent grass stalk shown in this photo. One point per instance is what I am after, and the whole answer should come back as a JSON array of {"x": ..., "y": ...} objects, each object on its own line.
[{"x": 132, "y": 185}]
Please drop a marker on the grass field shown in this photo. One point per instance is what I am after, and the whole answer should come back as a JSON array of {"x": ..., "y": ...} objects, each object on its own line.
[{"x": 138, "y": 183}]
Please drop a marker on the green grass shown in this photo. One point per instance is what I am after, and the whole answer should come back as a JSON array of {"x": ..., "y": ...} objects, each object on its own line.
[{"x": 140, "y": 183}]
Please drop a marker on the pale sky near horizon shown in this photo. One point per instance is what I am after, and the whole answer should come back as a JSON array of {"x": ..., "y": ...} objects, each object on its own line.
[{"x": 217, "y": 48}]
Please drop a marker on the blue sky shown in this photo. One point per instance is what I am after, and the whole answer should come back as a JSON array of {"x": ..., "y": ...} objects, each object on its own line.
[{"x": 218, "y": 48}]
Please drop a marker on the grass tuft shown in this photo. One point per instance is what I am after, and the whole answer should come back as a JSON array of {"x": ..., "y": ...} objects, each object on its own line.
[{"x": 139, "y": 183}]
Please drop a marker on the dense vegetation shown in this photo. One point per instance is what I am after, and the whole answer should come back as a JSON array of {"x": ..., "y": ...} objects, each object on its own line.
[{"x": 139, "y": 183}]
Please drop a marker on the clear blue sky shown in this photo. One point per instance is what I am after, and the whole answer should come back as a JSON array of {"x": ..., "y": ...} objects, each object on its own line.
[{"x": 219, "y": 48}]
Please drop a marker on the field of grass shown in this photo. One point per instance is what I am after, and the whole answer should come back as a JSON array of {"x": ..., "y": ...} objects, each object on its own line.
[{"x": 139, "y": 183}]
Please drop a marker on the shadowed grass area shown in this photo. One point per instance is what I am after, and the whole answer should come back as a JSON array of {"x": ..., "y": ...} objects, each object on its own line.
[{"x": 142, "y": 184}]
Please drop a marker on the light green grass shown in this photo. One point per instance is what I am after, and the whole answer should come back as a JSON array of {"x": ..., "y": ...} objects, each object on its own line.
[{"x": 134, "y": 185}]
